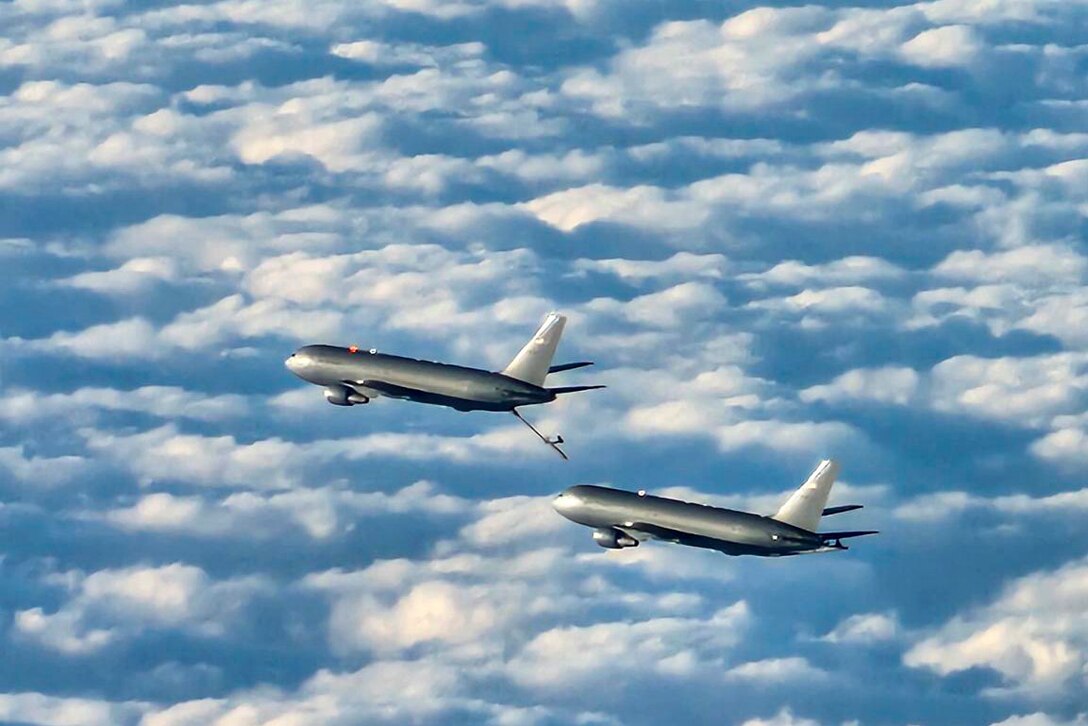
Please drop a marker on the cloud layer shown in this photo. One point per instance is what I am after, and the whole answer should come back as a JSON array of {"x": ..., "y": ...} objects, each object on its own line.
[{"x": 783, "y": 233}]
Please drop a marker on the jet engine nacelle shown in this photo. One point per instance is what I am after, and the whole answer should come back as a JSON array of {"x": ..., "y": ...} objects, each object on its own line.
[
  {"x": 613, "y": 539},
  {"x": 344, "y": 396}
]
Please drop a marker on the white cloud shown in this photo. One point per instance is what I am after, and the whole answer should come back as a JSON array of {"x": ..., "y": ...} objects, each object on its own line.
[
  {"x": 865, "y": 628},
  {"x": 592, "y": 656},
  {"x": 410, "y": 287},
  {"x": 235, "y": 316},
  {"x": 834, "y": 302},
  {"x": 317, "y": 177},
  {"x": 436, "y": 610},
  {"x": 883, "y": 385},
  {"x": 1066, "y": 446},
  {"x": 686, "y": 302},
  {"x": 379, "y": 53},
  {"x": 988, "y": 303},
  {"x": 1032, "y": 266},
  {"x": 849, "y": 271},
  {"x": 1033, "y": 635},
  {"x": 1030, "y": 392},
  {"x": 775, "y": 670},
  {"x": 229, "y": 320},
  {"x": 1042, "y": 719},
  {"x": 573, "y": 166},
  {"x": 110, "y": 605},
  {"x": 680, "y": 265},
  {"x": 319, "y": 513},
  {"x": 451, "y": 604},
  {"x": 935, "y": 507},
  {"x": 134, "y": 276},
  {"x": 231, "y": 242},
  {"x": 1023, "y": 390},
  {"x": 511, "y": 519},
  {"x": 768, "y": 57},
  {"x": 37, "y": 471},
  {"x": 84, "y": 138},
  {"x": 696, "y": 63},
  {"x": 338, "y": 145},
  {"x": 659, "y": 563},
  {"x": 942, "y": 505},
  {"x": 129, "y": 338},
  {"x": 1062, "y": 315},
  {"x": 784, "y": 717},
  {"x": 166, "y": 454},
  {"x": 23, "y": 406},
  {"x": 644, "y": 206},
  {"x": 948, "y": 45},
  {"x": 699, "y": 402},
  {"x": 41, "y": 708},
  {"x": 792, "y": 437},
  {"x": 463, "y": 298},
  {"x": 386, "y": 691}
]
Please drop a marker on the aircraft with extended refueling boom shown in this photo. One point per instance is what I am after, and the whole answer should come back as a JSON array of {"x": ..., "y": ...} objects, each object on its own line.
[
  {"x": 352, "y": 377},
  {"x": 624, "y": 519}
]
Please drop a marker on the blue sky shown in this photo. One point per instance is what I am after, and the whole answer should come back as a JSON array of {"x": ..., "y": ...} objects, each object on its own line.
[{"x": 783, "y": 232}]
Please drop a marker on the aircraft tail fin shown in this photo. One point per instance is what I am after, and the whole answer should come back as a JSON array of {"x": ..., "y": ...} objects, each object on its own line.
[
  {"x": 532, "y": 362},
  {"x": 806, "y": 505}
]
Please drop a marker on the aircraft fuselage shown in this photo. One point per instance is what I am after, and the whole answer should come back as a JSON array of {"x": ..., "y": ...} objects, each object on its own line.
[
  {"x": 368, "y": 375},
  {"x": 696, "y": 525}
]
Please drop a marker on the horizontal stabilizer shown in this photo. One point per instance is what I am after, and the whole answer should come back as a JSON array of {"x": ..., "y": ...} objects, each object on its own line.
[
  {"x": 840, "y": 509},
  {"x": 573, "y": 389},
  {"x": 569, "y": 366},
  {"x": 832, "y": 536}
]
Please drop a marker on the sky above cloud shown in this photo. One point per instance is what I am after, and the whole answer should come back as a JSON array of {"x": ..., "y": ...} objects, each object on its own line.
[{"x": 783, "y": 232}]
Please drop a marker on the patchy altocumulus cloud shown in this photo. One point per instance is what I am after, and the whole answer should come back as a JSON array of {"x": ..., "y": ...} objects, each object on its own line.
[{"x": 782, "y": 233}]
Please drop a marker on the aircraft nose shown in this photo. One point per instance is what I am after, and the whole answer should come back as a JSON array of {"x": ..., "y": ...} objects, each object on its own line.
[
  {"x": 296, "y": 362},
  {"x": 564, "y": 502}
]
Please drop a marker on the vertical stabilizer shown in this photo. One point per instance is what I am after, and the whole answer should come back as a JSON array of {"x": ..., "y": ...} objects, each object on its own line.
[
  {"x": 532, "y": 362},
  {"x": 804, "y": 507}
]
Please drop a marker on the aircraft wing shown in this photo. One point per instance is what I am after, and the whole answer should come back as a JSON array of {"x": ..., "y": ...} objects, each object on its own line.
[
  {"x": 389, "y": 390},
  {"x": 362, "y": 389},
  {"x": 645, "y": 530}
]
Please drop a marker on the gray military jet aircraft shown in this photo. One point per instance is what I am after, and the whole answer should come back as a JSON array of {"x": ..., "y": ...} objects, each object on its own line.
[
  {"x": 623, "y": 519},
  {"x": 352, "y": 377}
]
